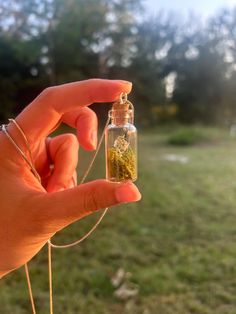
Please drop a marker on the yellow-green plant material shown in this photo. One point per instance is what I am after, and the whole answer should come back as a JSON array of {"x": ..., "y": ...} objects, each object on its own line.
[{"x": 121, "y": 161}]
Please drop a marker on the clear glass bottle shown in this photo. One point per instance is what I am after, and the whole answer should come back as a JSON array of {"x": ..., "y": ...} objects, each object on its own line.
[{"x": 121, "y": 142}]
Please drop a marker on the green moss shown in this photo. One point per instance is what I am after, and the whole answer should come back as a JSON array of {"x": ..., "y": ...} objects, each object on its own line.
[{"x": 121, "y": 166}]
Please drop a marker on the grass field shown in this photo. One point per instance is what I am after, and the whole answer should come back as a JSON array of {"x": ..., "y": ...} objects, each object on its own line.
[{"x": 177, "y": 246}]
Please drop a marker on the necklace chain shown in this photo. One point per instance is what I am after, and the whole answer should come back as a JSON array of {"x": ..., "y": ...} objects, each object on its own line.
[{"x": 30, "y": 163}]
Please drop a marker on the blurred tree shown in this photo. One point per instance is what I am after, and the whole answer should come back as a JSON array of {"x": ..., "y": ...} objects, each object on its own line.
[
  {"x": 22, "y": 75},
  {"x": 152, "y": 42},
  {"x": 117, "y": 44},
  {"x": 18, "y": 81},
  {"x": 9, "y": 79},
  {"x": 199, "y": 86},
  {"x": 221, "y": 33},
  {"x": 47, "y": 42},
  {"x": 200, "y": 74},
  {"x": 72, "y": 39}
]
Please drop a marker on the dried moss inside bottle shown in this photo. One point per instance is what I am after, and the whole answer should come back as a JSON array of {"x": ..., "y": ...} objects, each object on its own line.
[{"x": 121, "y": 142}]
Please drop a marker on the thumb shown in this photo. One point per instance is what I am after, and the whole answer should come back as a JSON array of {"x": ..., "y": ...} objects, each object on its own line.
[{"x": 59, "y": 209}]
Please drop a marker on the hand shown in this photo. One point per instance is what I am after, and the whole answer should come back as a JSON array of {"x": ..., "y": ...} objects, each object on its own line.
[{"x": 30, "y": 212}]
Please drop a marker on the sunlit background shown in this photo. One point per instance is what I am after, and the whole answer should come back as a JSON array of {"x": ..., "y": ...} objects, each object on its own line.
[
  {"x": 200, "y": 7},
  {"x": 174, "y": 252},
  {"x": 180, "y": 55}
]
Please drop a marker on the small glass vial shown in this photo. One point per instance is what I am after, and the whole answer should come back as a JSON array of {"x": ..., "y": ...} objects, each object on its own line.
[{"x": 121, "y": 142}]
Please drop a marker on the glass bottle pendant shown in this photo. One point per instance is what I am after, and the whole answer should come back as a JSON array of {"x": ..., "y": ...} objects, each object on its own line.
[{"x": 121, "y": 142}]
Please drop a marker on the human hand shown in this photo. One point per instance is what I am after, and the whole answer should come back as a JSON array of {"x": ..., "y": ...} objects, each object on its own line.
[{"x": 30, "y": 212}]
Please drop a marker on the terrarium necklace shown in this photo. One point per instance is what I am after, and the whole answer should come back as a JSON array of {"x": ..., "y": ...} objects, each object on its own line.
[
  {"x": 121, "y": 165},
  {"x": 121, "y": 142}
]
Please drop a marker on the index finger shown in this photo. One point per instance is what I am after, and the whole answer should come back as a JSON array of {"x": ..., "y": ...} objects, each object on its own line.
[{"x": 39, "y": 118}]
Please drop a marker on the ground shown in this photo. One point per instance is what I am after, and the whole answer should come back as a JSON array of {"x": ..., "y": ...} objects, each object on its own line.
[{"x": 177, "y": 246}]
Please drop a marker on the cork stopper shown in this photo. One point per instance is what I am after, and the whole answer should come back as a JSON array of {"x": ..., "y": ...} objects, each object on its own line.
[{"x": 120, "y": 113}]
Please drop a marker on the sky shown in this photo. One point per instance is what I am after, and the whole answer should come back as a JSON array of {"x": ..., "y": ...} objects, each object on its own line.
[{"x": 201, "y": 7}]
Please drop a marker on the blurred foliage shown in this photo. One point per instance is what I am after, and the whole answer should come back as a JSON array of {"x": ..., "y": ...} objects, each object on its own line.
[
  {"x": 186, "y": 137},
  {"x": 169, "y": 60},
  {"x": 165, "y": 113}
]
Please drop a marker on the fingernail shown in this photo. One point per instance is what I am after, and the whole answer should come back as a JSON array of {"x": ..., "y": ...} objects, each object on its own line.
[
  {"x": 127, "y": 192},
  {"x": 93, "y": 139},
  {"x": 128, "y": 85},
  {"x": 126, "y": 82}
]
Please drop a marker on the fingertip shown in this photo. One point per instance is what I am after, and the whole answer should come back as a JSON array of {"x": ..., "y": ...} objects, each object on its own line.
[
  {"x": 127, "y": 86},
  {"x": 88, "y": 140},
  {"x": 87, "y": 125},
  {"x": 127, "y": 192}
]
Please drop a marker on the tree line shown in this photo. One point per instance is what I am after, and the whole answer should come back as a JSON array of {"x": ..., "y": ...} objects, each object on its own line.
[{"x": 188, "y": 65}]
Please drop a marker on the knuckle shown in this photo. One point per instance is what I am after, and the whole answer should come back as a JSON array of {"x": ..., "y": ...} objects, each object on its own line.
[
  {"x": 48, "y": 91},
  {"x": 87, "y": 120},
  {"x": 71, "y": 140}
]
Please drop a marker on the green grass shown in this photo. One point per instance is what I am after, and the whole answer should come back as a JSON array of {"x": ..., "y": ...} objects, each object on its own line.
[
  {"x": 187, "y": 137},
  {"x": 178, "y": 243}
]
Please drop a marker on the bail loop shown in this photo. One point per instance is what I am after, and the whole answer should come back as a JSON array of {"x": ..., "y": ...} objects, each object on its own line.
[
  {"x": 123, "y": 98},
  {"x": 122, "y": 110}
]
